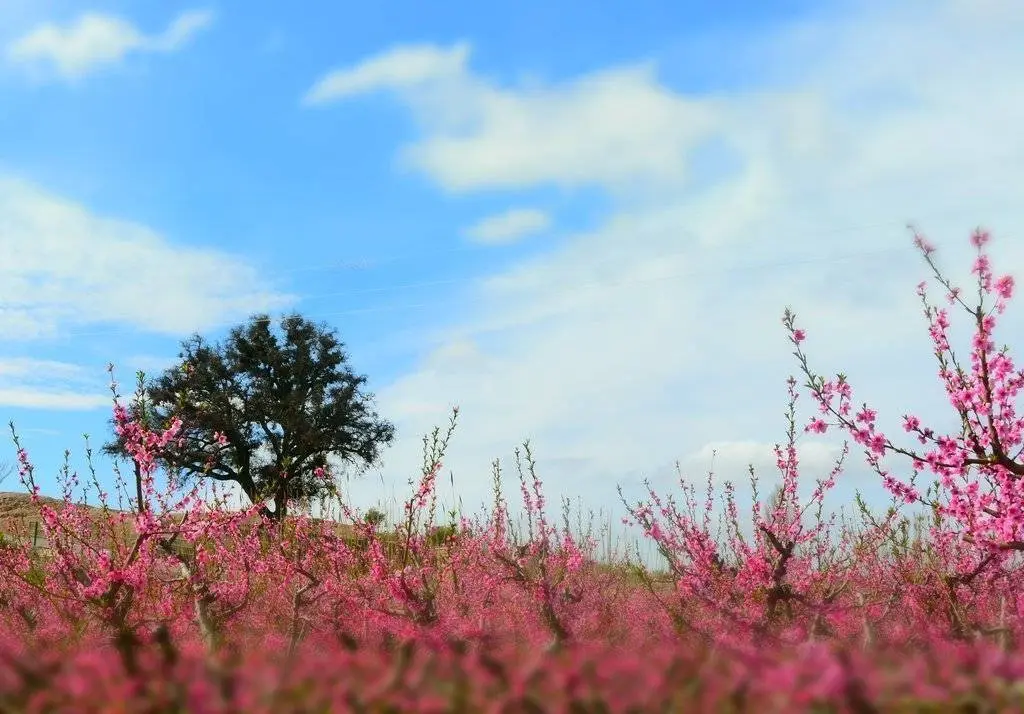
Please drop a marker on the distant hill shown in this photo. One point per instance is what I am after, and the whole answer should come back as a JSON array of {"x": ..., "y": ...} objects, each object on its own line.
[
  {"x": 19, "y": 515},
  {"x": 15, "y": 506}
]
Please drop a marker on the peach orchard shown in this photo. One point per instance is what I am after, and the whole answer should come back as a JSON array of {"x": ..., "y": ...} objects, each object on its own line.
[{"x": 180, "y": 604}]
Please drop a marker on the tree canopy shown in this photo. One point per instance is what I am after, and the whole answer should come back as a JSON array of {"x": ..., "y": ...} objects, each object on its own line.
[{"x": 282, "y": 405}]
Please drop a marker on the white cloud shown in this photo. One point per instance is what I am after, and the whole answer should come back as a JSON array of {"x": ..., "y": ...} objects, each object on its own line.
[
  {"x": 95, "y": 40},
  {"x": 181, "y": 30},
  {"x": 509, "y": 226},
  {"x": 733, "y": 459},
  {"x": 54, "y": 400},
  {"x": 49, "y": 384},
  {"x": 400, "y": 68},
  {"x": 150, "y": 364},
  {"x": 612, "y": 126},
  {"x": 24, "y": 366},
  {"x": 66, "y": 268},
  {"x": 624, "y": 348}
]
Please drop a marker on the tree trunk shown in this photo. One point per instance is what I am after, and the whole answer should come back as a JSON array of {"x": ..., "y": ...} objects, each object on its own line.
[{"x": 281, "y": 501}]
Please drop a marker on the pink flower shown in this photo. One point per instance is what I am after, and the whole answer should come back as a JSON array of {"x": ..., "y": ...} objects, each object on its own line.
[
  {"x": 818, "y": 426},
  {"x": 1004, "y": 287},
  {"x": 924, "y": 246}
]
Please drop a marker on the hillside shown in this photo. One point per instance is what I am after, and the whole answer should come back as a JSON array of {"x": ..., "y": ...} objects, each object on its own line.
[{"x": 19, "y": 515}]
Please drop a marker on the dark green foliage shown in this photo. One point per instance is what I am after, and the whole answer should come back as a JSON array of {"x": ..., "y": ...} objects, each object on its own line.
[
  {"x": 375, "y": 517},
  {"x": 284, "y": 406}
]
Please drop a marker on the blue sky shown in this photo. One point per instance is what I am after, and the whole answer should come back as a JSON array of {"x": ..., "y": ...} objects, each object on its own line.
[{"x": 580, "y": 226}]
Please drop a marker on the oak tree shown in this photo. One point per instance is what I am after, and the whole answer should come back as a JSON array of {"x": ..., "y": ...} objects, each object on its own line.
[{"x": 264, "y": 412}]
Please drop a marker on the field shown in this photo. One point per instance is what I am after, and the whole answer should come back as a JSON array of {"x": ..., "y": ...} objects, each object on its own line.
[{"x": 178, "y": 604}]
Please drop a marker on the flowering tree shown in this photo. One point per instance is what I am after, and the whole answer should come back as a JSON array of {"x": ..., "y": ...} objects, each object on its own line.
[
  {"x": 178, "y": 604},
  {"x": 978, "y": 496}
]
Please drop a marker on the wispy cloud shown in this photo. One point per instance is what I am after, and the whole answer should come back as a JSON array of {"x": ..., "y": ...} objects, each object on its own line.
[
  {"x": 613, "y": 126},
  {"x": 26, "y": 366},
  {"x": 733, "y": 458},
  {"x": 95, "y": 40},
  {"x": 49, "y": 384},
  {"x": 656, "y": 334},
  {"x": 49, "y": 399},
  {"x": 150, "y": 364},
  {"x": 509, "y": 226},
  {"x": 67, "y": 268},
  {"x": 403, "y": 67}
]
